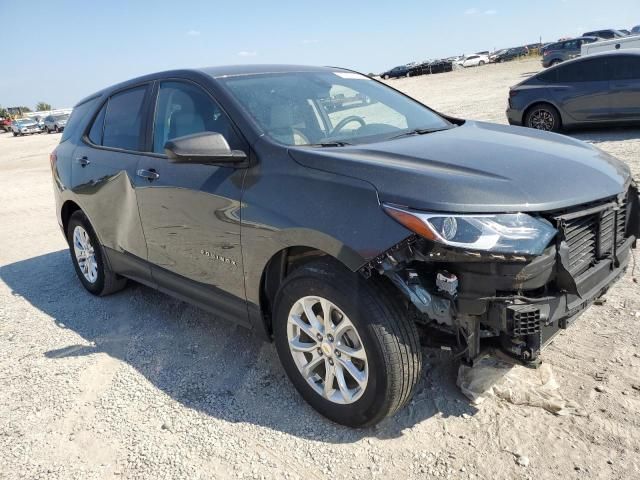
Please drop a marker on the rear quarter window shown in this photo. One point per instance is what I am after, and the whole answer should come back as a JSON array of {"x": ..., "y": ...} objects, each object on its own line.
[{"x": 77, "y": 118}]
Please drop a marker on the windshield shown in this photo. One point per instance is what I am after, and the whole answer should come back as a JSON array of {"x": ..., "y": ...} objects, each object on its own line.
[
  {"x": 61, "y": 117},
  {"x": 311, "y": 108}
]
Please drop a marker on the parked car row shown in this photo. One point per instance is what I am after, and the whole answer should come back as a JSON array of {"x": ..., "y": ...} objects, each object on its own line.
[
  {"x": 29, "y": 126},
  {"x": 420, "y": 68}
]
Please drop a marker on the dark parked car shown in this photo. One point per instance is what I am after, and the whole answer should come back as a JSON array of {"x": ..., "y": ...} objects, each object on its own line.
[
  {"x": 511, "y": 54},
  {"x": 601, "y": 88},
  {"x": 396, "y": 72},
  {"x": 635, "y": 30},
  {"x": 431, "y": 67},
  {"x": 558, "y": 52},
  {"x": 607, "y": 34},
  {"x": 339, "y": 233}
]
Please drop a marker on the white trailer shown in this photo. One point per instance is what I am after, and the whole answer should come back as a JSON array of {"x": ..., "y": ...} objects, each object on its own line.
[{"x": 607, "y": 45}]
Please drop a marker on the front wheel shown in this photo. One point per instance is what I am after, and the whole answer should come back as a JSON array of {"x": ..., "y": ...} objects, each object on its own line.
[
  {"x": 481, "y": 62},
  {"x": 88, "y": 258},
  {"x": 346, "y": 343}
]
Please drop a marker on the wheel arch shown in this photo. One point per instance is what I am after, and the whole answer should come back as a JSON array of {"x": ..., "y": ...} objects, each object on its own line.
[
  {"x": 68, "y": 209},
  {"x": 525, "y": 111},
  {"x": 281, "y": 264}
]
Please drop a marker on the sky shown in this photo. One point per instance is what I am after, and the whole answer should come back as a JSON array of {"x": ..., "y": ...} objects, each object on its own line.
[{"x": 61, "y": 51}]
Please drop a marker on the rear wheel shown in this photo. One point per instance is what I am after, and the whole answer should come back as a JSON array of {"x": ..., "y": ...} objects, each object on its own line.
[
  {"x": 346, "y": 343},
  {"x": 543, "y": 116},
  {"x": 88, "y": 258}
]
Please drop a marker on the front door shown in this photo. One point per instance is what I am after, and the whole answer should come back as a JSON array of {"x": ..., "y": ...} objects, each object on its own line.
[
  {"x": 625, "y": 87},
  {"x": 191, "y": 213}
]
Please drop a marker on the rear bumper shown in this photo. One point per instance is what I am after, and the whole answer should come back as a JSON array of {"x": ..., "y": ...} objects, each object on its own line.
[{"x": 514, "y": 116}]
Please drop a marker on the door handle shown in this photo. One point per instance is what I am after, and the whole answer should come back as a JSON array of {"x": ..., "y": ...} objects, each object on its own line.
[
  {"x": 150, "y": 174},
  {"x": 83, "y": 161}
]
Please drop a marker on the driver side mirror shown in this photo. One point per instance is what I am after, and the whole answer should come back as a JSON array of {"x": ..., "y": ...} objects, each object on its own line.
[{"x": 203, "y": 148}]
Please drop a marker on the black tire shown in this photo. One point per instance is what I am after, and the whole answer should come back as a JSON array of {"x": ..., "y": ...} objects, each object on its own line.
[
  {"x": 47, "y": 129},
  {"x": 15, "y": 134},
  {"x": 107, "y": 281},
  {"x": 385, "y": 77},
  {"x": 389, "y": 338},
  {"x": 56, "y": 129},
  {"x": 555, "y": 62},
  {"x": 531, "y": 121}
]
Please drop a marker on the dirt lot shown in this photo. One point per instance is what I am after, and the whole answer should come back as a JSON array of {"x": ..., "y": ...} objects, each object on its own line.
[{"x": 138, "y": 385}]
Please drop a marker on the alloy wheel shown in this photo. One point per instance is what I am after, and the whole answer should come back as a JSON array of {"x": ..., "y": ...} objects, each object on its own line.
[
  {"x": 327, "y": 350},
  {"x": 85, "y": 254},
  {"x": 542, "y": 120}
]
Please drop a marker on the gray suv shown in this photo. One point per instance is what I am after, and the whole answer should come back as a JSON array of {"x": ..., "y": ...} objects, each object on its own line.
[
  {"x": 55, "y": 123},
  {"x": 276, "y": 197},
  {"x": 558, "y": 52}
]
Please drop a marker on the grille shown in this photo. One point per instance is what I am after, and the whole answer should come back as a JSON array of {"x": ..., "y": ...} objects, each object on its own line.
[{"x": 592, "y": 237}]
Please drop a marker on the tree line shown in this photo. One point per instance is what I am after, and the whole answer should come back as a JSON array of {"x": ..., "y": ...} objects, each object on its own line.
[{"x": 40, "y": 106}]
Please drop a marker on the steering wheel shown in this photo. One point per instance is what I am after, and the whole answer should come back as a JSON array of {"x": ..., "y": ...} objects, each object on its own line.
[{"x": 342, "y": 123}]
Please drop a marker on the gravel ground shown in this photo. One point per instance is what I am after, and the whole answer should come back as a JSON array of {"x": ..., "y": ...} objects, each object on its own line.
[{"x": 139, "y": 385}]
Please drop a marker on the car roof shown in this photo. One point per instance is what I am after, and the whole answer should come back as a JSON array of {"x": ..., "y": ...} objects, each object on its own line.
[
  {"x": 216, "y": 72},
  {"x": 627, "y": 51}
]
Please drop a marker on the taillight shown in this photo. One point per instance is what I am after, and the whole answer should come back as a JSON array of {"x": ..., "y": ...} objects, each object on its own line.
[{"x": 53, "y": 158}]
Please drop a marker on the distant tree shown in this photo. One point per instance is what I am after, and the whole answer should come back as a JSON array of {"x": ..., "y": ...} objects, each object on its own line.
[
  {"x": 43, "y": 106},
  {"x": 24, "y": 109},
  {"x": 3, "y": 112}
]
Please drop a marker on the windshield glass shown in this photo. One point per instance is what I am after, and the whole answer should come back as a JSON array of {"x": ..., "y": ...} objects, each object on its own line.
[{"x": 310, "y": 108}]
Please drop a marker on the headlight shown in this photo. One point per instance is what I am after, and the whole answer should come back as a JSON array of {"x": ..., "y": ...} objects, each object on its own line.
[{"x": 504, "y": 233}]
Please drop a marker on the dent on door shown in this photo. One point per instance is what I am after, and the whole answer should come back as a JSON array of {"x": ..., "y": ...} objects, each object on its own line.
[{"x": 109, "y": 200}]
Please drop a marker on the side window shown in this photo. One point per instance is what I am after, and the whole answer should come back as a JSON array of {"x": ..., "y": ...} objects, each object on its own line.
[
  {"x": 123, "y": 119},
  {"x": 183, "y": 109},
  {"x": 592, "y": 70},
  {"x": 77, "y": 117},
  {"x": 95, "y": 134},
  {"x": 624, "y": 67}
]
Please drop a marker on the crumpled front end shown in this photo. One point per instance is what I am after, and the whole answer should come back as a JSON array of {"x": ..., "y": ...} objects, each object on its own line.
[{"x": 519, "y": 301}]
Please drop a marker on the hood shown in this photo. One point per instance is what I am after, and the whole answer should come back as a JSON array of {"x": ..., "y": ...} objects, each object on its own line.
[{"x": 478, "y": 167}]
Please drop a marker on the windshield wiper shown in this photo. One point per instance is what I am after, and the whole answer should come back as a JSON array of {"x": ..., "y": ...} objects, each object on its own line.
[
  {"x": 337, "y": 143},
  {"x": 418, "y": 131}
]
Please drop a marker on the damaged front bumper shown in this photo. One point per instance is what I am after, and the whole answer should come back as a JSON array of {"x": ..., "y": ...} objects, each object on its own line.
[{"x": 522, "y": 302}]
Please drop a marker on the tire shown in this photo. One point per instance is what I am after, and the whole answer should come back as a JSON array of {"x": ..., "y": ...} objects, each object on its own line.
[
  {"x": 382, "y": 329},
  {"x": 555, "y": 62},
  {"x": 481, "y": 62},
  {"x": 56, "y": 129},
  {"x": 105, "y": 281},
  {"x": 539, "y": 114},
  {"x": 47, "y": 130},
  {"x": 15, "y": 134},
  {"x": 386, "y": 77}
]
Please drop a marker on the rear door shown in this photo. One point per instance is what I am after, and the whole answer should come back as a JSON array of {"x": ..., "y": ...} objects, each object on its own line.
[
  {"x": 625, "y": 86},
  {"x": 103, "y": 173},
  {"x": 191, "y": 213},
  {"x": 581, "y": 89}
]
